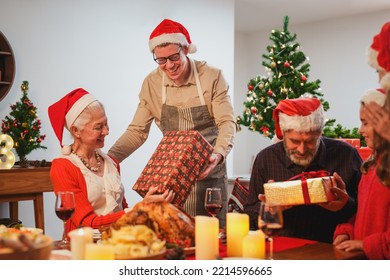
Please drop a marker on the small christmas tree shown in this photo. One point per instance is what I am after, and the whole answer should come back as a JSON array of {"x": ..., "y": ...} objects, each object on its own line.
[
  {"x": 23, "y": 126},
  {"x": 287, "y": 77}
]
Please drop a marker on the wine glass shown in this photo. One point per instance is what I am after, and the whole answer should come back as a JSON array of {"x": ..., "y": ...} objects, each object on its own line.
[
  {"x": 270, "y": 222},
  {"x": 213, "y": 203},
  {"x": 64, "y": 208}
]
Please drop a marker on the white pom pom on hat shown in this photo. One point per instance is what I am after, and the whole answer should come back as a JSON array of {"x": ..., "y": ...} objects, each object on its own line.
[
  {"x": 169, "y": 31},
  {"x": 300, "y": 114}
]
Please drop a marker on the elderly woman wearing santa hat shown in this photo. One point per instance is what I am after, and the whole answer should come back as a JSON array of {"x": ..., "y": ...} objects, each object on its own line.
[
  {"x": 299, "y": 124},
  {"x": 370, "y": 231},
  {"x": 83, "y": 168},
  {"x": 184, "y": 94},
  {"x": 379, "y": 59}
]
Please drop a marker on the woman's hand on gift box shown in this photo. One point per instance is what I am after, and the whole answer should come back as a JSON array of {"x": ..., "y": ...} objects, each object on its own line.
[
  {"x": 214, "y": 160},
  {"x": 152, "y": 197},
  {"x": 340, "y": 195}
]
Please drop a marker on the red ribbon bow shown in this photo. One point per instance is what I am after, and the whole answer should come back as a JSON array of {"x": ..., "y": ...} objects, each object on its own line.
[{"x": 306, "y": 175}]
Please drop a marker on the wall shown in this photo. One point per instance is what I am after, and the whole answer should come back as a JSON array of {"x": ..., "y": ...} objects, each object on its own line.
[
  {"x": 337, "y": 55},
  {"x": 102, "y": 47}
]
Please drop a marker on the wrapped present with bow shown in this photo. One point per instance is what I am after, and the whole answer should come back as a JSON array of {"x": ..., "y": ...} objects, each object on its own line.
[
  {"x": 175, "y": 165},
  {"x": 305, "y": 188}
]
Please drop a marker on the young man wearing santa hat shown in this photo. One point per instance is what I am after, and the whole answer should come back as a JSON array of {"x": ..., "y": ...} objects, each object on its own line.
[
  {"x": 379, "y": 59},
  {"x": 183, "y": 94},
  {"x": 299, "y": 124}
]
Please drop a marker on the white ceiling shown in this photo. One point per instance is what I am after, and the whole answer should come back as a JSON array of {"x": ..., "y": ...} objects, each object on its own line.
[{"x": 254, "y": 15}]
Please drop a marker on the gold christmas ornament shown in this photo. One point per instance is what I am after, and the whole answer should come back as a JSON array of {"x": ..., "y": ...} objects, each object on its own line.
[
  {"x": 261, "y": 86},
  {"x": 24, "y": 124},
  {"x": 273, "y": 64}
]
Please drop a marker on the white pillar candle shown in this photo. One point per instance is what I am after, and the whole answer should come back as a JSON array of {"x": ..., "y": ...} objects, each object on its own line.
[
  {"x": 78, "y": 240},
  {"x": 253, "y": 245},
  {"x": 237, "y": 227},
  {"x": 95, "y": 251},
  {"x": 206, "y": 238}
]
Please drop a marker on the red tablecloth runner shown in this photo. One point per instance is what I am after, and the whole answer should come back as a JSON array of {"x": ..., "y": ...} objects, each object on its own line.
[{"x": 281, "y": 243}]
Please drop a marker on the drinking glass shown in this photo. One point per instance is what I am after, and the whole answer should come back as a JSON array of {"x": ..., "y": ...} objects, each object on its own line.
[
  {"x": 213, "y": 201},
  {"x": 213, "y": 204},
  {"x": 64, "y": 208},
  {"x": 270, "y": 222}
]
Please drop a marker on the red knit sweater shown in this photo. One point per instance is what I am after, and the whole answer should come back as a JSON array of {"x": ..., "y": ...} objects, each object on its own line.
[
  {"x": 65, "y": 176},
  {"x": 372, "y": 223}
]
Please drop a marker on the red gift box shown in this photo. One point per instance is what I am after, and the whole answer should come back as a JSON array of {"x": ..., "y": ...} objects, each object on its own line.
[{"x": 175, "y": 165}]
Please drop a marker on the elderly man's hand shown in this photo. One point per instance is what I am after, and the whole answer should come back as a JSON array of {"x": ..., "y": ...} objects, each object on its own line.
[
  {"x": 340, "y": 194},
  {"x": 213, "y": 162}
]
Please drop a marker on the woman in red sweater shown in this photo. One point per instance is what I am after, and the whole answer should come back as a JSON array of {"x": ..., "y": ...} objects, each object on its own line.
[
  {"x": 370, "y": 231},
  {"x": 83, "y": 168}
]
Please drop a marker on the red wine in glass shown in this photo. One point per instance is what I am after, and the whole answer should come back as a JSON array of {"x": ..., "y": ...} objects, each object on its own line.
[
  {"x": 64, "y": 213},
  {"x": 213, "y": 209},
  {"x": 64, "y": 208},
  {"x": 213, "y": 201}
]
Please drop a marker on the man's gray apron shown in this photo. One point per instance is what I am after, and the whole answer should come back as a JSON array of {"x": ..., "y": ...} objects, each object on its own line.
[{"x": 197, "y": 118}]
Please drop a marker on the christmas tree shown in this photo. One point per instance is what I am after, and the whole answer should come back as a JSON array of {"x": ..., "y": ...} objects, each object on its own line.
[
  {"x": 287, "y": 77},
  {"x": 23, "y": 126}
]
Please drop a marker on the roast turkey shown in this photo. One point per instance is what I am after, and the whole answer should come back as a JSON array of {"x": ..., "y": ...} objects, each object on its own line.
[{"x": 169, "y": 222}]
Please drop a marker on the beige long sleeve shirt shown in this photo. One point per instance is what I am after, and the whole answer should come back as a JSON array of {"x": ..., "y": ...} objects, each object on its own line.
[{"x": 215, "y": 92}]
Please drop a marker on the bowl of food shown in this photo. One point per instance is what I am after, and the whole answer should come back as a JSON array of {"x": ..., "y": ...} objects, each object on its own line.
[{"x": 24, "y": 244}]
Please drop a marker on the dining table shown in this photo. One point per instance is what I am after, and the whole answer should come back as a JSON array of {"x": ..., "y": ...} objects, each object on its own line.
[{"x": 285, "y": 248}]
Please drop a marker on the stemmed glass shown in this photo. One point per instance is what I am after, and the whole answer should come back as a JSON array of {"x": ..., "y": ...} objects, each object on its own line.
[
  {"x": 270, "y": 222},
  {"x": 213, "y": 203},
  {"x": 64, "y": 208}
]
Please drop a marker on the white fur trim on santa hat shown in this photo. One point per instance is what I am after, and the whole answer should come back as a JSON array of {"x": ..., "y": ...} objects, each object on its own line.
[
  {"x": 373, "y": 58},
  {"x": 373, "y": 95},
  {"x": 385, "y": 82},
  {"x": 313, "y": 122},
  {"x": 77, "y": 108},
  {"x": 172, "y": 38}
]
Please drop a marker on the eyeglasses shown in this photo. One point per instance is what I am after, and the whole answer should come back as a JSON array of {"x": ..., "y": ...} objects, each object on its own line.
[{"x": 163, "y": 60}]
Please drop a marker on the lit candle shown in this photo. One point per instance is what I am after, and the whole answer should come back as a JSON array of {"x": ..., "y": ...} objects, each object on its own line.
[
  {"x": 237, "y": 227},
  {"x": 95, "y": 251},
  {"x": 206, "y": 238},
  {"x": 253, "y": 245},
  {"x": 78, "y": 240}
]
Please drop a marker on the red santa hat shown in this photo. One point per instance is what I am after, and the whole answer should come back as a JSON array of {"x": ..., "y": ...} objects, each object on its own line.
[
  {"x": 65, "y": 111},
  {"x": 379, "y": 54},
  {"x": 374, "y": 95},
  {"x": 169, "y": 31},
  {"x": 300, "y": 114}
]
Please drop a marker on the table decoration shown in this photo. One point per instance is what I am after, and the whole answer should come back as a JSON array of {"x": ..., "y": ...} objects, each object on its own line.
[
  {"x": 7, "y": 157},
  {"x": 253, "y": 245},
  {"x": 237, "y": 227},
  {"x": 206, "y": 238},
  {"x": 78, "y": 239}
]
